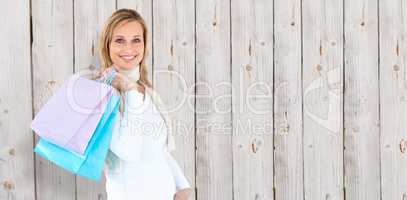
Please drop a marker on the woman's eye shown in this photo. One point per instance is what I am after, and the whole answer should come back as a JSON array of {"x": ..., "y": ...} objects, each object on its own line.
[
  {"x": 119, "y": 41},
  {"x": 137, "y": 40}
]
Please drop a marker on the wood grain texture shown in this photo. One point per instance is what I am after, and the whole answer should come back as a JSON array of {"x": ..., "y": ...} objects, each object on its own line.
[
  {"x": 288, "y": 153},
  {"x": 252, "y": 83},
  {"x": 174, "y": 75},
  {"x": 16, "y": 143},
  {"x": 323, "y": 99},
  {"x": 328, "y": 77},
  {"x": 52, "y": 52},
  {"x": 393, "y": 98},
  {"x": 213, "y": 101},
  {"x": 361, "y": 101},
  {"x": 89, "y": 19}
]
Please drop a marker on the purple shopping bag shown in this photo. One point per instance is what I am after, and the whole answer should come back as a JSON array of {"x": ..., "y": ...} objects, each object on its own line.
[{"x": 70, "y": 117}]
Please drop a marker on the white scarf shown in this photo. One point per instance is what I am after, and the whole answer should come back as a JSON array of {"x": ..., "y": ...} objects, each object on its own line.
[{"x": 133, "y": 74}]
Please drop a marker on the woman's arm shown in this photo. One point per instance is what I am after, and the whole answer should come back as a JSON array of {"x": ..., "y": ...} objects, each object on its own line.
[
  {"x": 181, "y": 181},
  {"x": 183, "y": 187}
]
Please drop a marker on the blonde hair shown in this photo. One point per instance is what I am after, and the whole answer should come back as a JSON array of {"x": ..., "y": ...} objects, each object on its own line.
[{"x": 117, "y": 18}]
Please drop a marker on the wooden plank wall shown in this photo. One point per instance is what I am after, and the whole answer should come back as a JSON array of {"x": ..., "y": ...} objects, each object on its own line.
[
  {"x": 17, "y": 166},
  {"x": 393, "y": 98},
  {"x": 323, "y": 99},
  {"x": 282, "y": 99},
  {"x": 252, "y": 75},
  {"x": 52, "y": 61},
  {"x": 361, "y": 101}
]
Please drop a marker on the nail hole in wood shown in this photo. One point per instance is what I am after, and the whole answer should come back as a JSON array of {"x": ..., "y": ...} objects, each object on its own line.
[
  {"x": 170, "y": 67},
  {"x": 319, "y": 67},
  {"x": 8, "y": 185},
  {"x": 51, "y": 82},
  {"x": 172, "y": 49},
  {"x": 403, "y": 144},
  {"x": 254, "y": 148},
  {"x": 12, "y": 152},
  {"x": 92, "y": 67},
  {"x": 396, "y": 68},
  {"x": 249, "y": 67},
  {"x": 257, "y": 197}
]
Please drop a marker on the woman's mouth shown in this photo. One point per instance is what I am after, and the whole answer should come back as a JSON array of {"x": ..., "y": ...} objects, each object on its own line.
[{"x": 127, "y": 58}]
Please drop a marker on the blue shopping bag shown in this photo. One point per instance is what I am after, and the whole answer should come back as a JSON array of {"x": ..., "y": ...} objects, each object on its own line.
[{"x": 91, "y": 163}]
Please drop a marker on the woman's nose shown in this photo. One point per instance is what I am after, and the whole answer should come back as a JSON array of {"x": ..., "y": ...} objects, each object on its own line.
[{"x": 127, "y": 47}]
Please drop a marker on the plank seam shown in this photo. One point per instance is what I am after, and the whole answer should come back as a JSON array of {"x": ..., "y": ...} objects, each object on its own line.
[
  {"x": 378, "y": 77},
  {"x": 273, "y": 99},
  {"x": 195, "y": 115},
  {"x": 32, "y": 96},
  {"x": 303, "y": 100},
  {"x": 343, "y": 100},
  {"x": 152, "y": 41},
  {"x": 73, "y": 71},
  {"x": 231, "y": 92}
]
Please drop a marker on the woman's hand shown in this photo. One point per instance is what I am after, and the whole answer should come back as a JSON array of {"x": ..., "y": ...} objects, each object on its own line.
[
  {"x": 120, "y": 81},
  {"x": 183, "y": 194},
  {"x": 123, "y": 84}
]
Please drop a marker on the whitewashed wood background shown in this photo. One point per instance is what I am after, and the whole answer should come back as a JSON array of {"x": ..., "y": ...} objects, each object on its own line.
[{"x": 330, "y": 77}]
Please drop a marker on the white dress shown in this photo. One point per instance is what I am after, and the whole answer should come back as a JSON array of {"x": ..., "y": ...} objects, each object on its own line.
[{"x": 140, "y": 166}]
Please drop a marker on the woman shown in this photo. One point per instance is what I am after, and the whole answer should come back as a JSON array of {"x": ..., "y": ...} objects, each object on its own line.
[{"x": 139, "y": 165}]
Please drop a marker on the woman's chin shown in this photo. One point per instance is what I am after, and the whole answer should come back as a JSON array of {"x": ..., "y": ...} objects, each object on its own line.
[{"x": 126, "y": 65}]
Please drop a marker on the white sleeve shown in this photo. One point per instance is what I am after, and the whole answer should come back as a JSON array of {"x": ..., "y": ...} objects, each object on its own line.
[{"x": 181, "y": 181}]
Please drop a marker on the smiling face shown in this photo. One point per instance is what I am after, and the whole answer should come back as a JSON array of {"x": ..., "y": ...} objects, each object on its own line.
[{"x": 126, "y": 48}]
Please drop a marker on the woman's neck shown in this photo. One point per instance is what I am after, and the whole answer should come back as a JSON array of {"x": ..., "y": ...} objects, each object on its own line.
[{"x": 133, "y": 74}]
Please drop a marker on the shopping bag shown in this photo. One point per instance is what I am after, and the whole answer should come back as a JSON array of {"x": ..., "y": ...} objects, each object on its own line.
[
  {"x": 91, "y": 163},
  {"x": 69, "y": 118}
]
